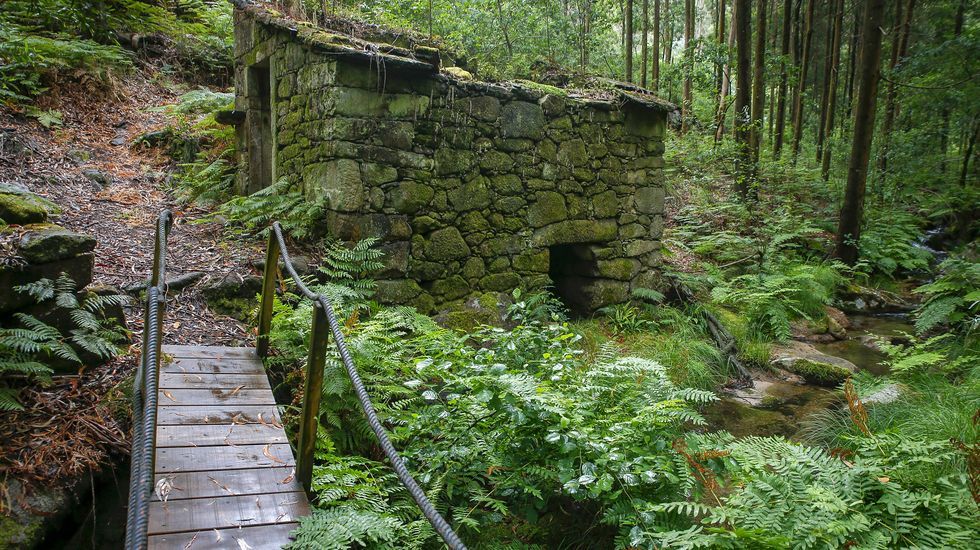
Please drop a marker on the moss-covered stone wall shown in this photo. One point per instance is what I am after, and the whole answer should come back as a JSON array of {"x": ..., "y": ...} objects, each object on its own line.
[{"x": 473, "y": 187}]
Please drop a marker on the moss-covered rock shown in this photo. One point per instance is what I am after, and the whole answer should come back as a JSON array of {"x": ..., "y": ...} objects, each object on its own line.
[
  {"x": 548, "y": 207},
  {"x": 446, "y": 244},
  {"x": 18, "y": 206},
  {"x": 816, "y": 372},
  {"x": 621, "y": 269},
  {"x": 520, "y": 119},
  {"x": 49, "y": 243},
  {"x": 471, "y": 195},
  {"x": 410, "y": 196},
  {"x": 573, "y": 152},
  {"x": 575, "y": 231},
  {"x": 451, "y": 288},
  {"x": 397, "y": 291},
  {"x": 337, "y": 182}
]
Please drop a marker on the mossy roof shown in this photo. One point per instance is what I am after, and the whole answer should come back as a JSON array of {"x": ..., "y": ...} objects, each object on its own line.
[{"x": 361, "y": 42}]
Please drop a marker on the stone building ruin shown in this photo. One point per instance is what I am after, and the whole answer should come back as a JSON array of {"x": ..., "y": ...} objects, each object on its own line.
[{"x": 472, "y": 187}]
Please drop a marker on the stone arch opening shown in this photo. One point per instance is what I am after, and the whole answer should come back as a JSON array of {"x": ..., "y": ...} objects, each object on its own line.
[{"x": 572, "y": 269}]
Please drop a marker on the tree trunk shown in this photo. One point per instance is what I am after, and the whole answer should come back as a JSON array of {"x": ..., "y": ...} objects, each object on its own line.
[
  {"x": 900, "y": 45},
  {"x": 777, "y": 146},
  {"x": 726, "y": 85},
  {"x": 829, "y": 68},
  {"x": 743, "y": 91},
  {"x": 968, "y": 153},
  {"x": 758, "y": 82},
  {"x": 644, "y": 45},
  {"x": 801, "y": 85},
  {"x": 586, "y": 30},
  {"x": 831, "y": 102},
  {"x": 944, "y": 131},
  {"x": 852, "y": 211},
  {"x": 628, "y": 35},
  {"x": 669, "y": 37},
  {"x": 686, "y": 60},
  {"x": 852, "y": 66},
  {"x": 655, "y": 77},
  {"x": 720, "y": 37}
]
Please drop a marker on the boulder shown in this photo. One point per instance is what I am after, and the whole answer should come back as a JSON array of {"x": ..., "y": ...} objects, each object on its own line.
[
  {"x": 49, "y": 243},
  {"x": 814, "y": 366},
  {"x": 19, "y": 206}
]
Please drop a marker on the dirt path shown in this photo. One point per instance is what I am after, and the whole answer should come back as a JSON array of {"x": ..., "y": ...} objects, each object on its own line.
[{"x": 70, "y": 426}]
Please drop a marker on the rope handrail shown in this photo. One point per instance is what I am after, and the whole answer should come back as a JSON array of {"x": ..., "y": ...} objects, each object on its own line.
[
  {"x": 277, "y": 249},
  {"x": 145, "y": 394}
]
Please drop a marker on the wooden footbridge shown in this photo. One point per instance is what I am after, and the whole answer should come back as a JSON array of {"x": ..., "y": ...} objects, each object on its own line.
[{"x": 212, "y": 465}]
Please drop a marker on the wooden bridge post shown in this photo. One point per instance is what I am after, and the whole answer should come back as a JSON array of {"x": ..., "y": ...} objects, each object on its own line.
[
  {"x": 311, "y": 397},
  {"x": 268, "y": 295}
]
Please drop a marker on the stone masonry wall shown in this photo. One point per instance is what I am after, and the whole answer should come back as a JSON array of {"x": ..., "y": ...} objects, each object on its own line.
[{"x": 472, "y": 187}]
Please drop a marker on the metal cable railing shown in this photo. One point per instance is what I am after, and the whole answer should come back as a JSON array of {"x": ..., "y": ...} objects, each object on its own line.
[
  {"x": 145, "y": 394},
  {"x": 323, "y": 319}
]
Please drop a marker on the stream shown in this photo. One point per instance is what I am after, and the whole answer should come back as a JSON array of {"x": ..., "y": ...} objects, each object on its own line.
[{"x": 786, "y": 405}]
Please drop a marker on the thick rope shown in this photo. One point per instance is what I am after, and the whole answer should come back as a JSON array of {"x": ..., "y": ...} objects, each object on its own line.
[
  {"x": 145, "y": 399},
  {"x": 435, "y": 518}
]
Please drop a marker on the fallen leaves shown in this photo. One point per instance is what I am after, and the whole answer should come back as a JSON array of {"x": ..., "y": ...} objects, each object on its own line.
[{"x": 265, "y": 451}]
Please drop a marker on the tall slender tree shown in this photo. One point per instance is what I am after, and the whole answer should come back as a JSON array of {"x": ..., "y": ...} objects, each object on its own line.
[
  {"x": 958, "y": 21},
  {"x": 743, "y": 90},
  {"x": 720, "y": 37},
  {"x": 830, "y": 105},
  {"x": 655, "y": 77},
  {"x": 669, "y": 35},
  {"x": 900, "y": 47},
  {"x": 801, "y": 84},
  {"x": 686, "y": 98},
  {"x": 777, "y": 143},
  {"x": 828, "y": 69},
  {"x": 726, "y": 84},
  {"x": 628, "y": 35},
  {"x": 852, "y": 55},
  {"x": 644, "y": 45},
  {"x": 758, "y": 80},
  {"x": 852, "y": 210}
]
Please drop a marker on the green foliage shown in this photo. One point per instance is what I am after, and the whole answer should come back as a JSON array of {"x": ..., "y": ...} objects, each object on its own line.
[
  {"x": 888, "y": 244},
  {"x": 801, "y": 497},
  {"x": 349, "y": 265},
  {"x": 771, "y": 300},
  {"x": 278, "y": 202},
  {"x": 626, "y": 319},
  {"x": 25, "y": 349},
  {"x": 953, "y": 298}
]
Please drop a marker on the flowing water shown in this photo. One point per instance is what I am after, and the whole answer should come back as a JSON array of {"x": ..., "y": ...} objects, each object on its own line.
[{"x": 786, "y": 405}]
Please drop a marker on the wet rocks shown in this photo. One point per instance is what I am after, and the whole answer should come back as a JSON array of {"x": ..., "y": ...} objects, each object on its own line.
[{"x": 812, "y": 365}]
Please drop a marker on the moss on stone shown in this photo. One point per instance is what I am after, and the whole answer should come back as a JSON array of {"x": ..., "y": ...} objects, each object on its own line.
[
  {"x": 410, "y": 196},
  {"x": 816, "y": 372},
  {"x": 548, "y": 207},
  {"x": 446, "y": 244},
  {"x": 543, "y": 88},
  {"x": 25, "y": 208}
]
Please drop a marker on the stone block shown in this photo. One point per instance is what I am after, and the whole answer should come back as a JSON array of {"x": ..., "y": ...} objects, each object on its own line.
[
  {"x": 397, "y": 291},
  {"x": 548, "y": 207},
  {"x": 49, "y": 243},
  {"x": 573, "y": 152},
  {"x": 649, "y": 200},
  {"x": 338, "y": 182},
  {"x": 500, "y": 281},
  {"x": 520, "y": 119},
  {"x": 620, "y": 269},
  {"x": 471, "y": 195},
  {"x": 408, "y": 197},
  {"x": 575, "y": 231},
  {"x": 446, "y": 244},
  {"x": 485, "y": 108}
]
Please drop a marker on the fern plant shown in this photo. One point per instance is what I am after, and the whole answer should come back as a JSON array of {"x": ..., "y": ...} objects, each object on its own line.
[
  {"x": 278, "y": 202},
  {"x": 953, "y": 298},
  {"x": 350, "y": 265},
  {"x": 25, "y": 349}
]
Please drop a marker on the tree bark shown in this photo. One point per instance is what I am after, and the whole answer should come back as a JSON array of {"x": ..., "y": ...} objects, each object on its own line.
[
  {"x": 852, "y": 211},
  {"x": 669, "y": 37},
  {"x": 758, "y": 82},
  {"x": 743, "y": 91},
  {"x": 829, "y": 68},
  {"x": 720, "y": 37},
  {"x": 777, "y": 146},
  {"x": 644, "y": 46},
  {"x": 900, "y": 46},
  {"x": 726, "y": 85},
  {"x": 852, "y": 66},
  {"x": 831, "y": 102},
  {"x": 655, "y": 77},
  {"x": 944, "y": 128},
  {"x": 628, "y": 35},
  {"x": 801, "y": 85},
  {"x": 686, "y": 60}
]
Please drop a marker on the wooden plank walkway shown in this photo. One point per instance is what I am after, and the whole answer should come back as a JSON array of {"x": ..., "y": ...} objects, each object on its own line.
[{"x": 222, "y": 448}]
